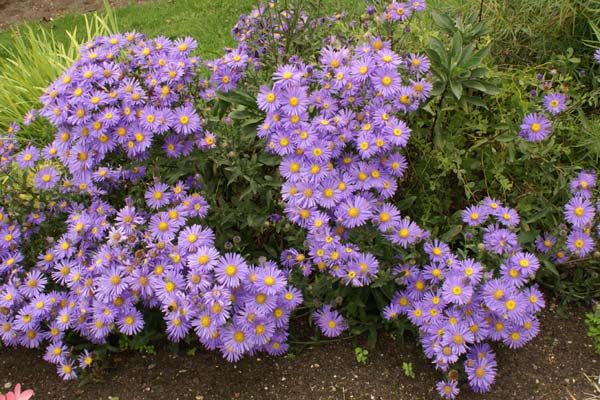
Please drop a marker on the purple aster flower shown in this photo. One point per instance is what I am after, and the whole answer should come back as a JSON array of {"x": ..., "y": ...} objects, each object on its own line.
[
  {"x": 458, "y": 337},
  {"x": 456, "y": 291},
  {"x": 579, "y": 211},
  {"x": 331, "y": 323},
  {"x": 448, "y": 389},
  {"x": 111, "y": 284},
  {"x": 481, "y": 372},
  {"x": 515, "y": 337},
  {"x": 354, "y": 212},
  {"x": 46, "y": 178},
  {"x": 27, "y": 157},
  {"x": 158, "y": 196},
  {"x": 417, "y": 5},
  {"x": 470, "y": 269},
  {"x": 495, "y": 292},
  {"x": 270, "y": 280},
  {"x": 555, "y": 103},
  {"x": 34, "y": 284},
  {"x": 580, "y": 243},
  {"x": 408, "y": 233},
  {"x": 507, "y": 216},
  {"x": 535, "y": 299},
  {"x": 535, "y": 127},
  {"x": 85, "y": 359},
  {"x": 236, "y": 341},
  {"x": 583, "y": 183},
  {"x": 526, "y": 263},
  {"x": 291, "y": 298},
  {"x": 131, "y": 321},
  {"x": 560, "y": 256},
  {"x": 387, "y": 217},
  {"x": 66, "y": 370},
  {"x": 397, "y": 132},
  {"x": 499, "y": 240},
  {"x": 268, "y": 99},
  {"x": 186, "y": 120},
  {"x": 544, "y": 243},
  {"x": 295, "y": 101},
  {"x": 597, "y": 55},
  {"x": 418, "y": 63},
  {"x": 286, "y": 76},
  {"x": 29, "y": 117},
  {"x": 475, "y": 215},
  {"x": 388, "y": 81},
  {"x": 437, "y": 251},
  {"x": 231, "y": 269}
]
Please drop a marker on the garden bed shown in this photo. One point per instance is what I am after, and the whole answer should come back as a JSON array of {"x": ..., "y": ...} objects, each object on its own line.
[
  {"x": 114, "y": 234},
  {"x": 551, "y": 367}
]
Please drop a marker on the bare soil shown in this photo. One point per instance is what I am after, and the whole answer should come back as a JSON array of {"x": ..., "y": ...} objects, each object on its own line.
[
  {"x": 551, "y": 367},
  {"x": 12, "y": 11}
]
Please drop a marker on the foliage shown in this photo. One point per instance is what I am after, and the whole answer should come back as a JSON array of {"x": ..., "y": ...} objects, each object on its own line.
[
  {"x": 592, "y": 321},
  {"x": 407, "y": 368},
  {"x": 35, "y": 58},
  {"x": 362, "y": 355}
]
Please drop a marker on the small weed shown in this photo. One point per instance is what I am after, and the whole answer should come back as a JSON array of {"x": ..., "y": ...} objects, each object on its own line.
[
  {"x": 407, "y": 367},
  {"x": 362, "y": 355}
]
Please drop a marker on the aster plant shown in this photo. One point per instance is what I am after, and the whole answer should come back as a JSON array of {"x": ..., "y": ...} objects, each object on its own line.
[
  {"x": 126, "y": 105},
  {"x": 461, "y": 302}
]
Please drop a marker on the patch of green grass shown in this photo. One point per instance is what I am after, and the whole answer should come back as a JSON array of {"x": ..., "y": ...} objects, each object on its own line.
[{"x": 208, "y": 21}]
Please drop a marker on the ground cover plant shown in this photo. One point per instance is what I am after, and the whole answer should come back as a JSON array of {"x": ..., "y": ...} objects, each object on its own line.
[{"x": 316, "y": 142}]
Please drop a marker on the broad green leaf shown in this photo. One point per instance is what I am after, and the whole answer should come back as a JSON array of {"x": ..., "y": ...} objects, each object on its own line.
[
  {"x": 476, "y": 58},
  {"x": 443, "y": 21},
  {"x": 457, "y": 89}
]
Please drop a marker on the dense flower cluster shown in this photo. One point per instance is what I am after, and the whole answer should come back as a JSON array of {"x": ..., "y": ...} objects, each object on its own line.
[
  {"x": 123, "y": 94},
  {"x": 338, "y": 127},
  {"x": 459, "y": 304},
  {"x": 578, "y": 238},
  {"x": 109, "y": 263}
]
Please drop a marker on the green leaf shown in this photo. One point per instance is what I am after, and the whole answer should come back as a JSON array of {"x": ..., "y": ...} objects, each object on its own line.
[
  {"x": 238, "y": 97},
  {"x": 452, "y": 233},
  {"x": 457, "y": 89},
  {"x": 479, "y": 72},
  {"x": 406, "y": 202},
  {"x": 474, "y": 84},
  {"x": 242, "y": 114},
  {"x": 476, "y": 58},
  {"x": 438, "y": 47},
  {"x": 443, "y": 21},
  {"x": 550, "y": 267},
  {"x": 269, "y": 159},
  {"x": 372, "y": 337},
  {"x": 438, "y": 88},
  {"x": 457, "y": 47},
  {"x": 476, "y": 101}
]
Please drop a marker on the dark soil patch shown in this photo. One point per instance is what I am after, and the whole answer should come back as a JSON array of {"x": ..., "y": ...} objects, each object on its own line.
[
  {"x": 12, "y": 11},
  {"x": 551, "y": 367}
]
